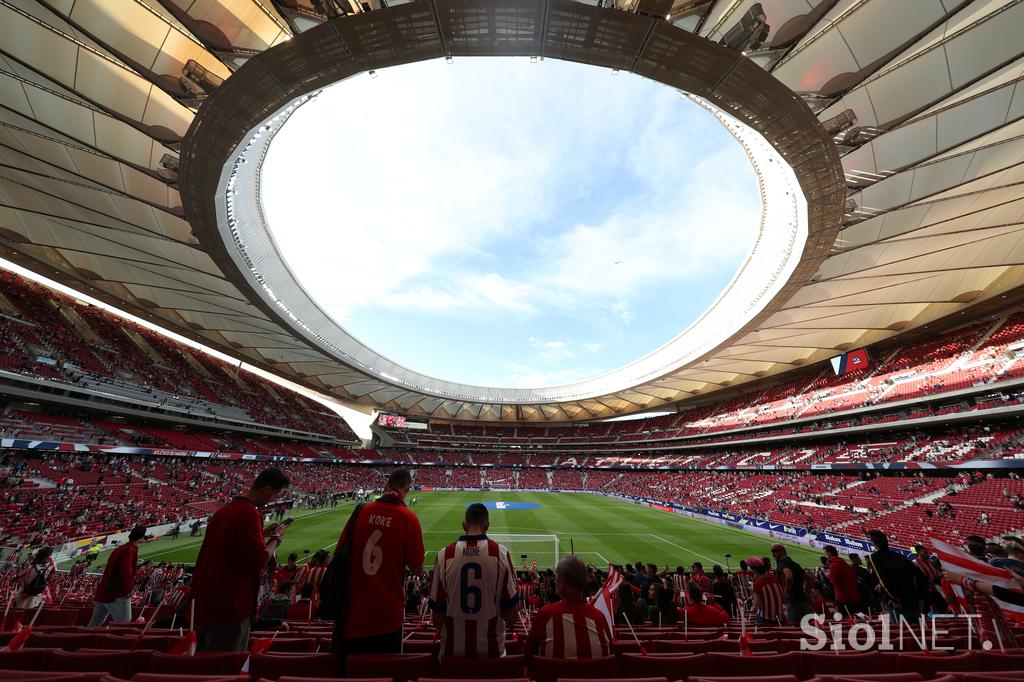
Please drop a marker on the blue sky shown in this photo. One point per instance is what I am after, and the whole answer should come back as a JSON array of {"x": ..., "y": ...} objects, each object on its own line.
[{"x": 503, "y": 223}]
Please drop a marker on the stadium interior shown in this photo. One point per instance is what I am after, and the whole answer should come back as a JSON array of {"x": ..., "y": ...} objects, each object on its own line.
[{"x": 875, "y": 381}]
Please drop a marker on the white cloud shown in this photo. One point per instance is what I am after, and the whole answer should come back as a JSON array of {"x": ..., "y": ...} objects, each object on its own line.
[
  {"x": 464, "y": 292},
  {"x": 551, "y": 351},
  {"x": 530, "y": 376},
  {"x": 441, "y": 193}
]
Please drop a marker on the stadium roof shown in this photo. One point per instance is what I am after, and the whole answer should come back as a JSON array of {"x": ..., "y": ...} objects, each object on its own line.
[{"x": 99, "y": 98}]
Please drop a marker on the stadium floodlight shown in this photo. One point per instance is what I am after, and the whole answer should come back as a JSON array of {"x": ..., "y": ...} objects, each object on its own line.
[
  {"x": 750, "y": 32},
  {"x": 840, "y": 122},
  {"x": 329, "y": 8},
  {"x": 197, "y": 80},
  {"x": 168, "y": 167}
]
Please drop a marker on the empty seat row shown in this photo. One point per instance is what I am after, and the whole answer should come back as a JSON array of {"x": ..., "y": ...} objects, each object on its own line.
[{"x": 406, "y": 667}]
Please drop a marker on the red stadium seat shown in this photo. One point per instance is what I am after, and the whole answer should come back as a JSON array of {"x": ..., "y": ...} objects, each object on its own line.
[
  {"x": 623, "y": 679},
  {"x": 465, "y": 679},
  {"x": 421, "y": 646},
  {"x": 730, "y": 646},
  {"x": 289, "y": 678},
  {"x": 847, "y": 663},
  {"x": 679, "y": 646},
  {"x": 65, "y": 641},
  {"x": 218, "y": 663},
  {"x": 305, "y": 645},
  {"x": 880, "y": 677},
  {"x": 57, "y": 616},
  {"x": 402, "y": 667},
  {"x": 670, "y": 666},
  {"x": 273, "y": 666},
  {"x": 755, "y": 678},
  {"x": 546, "y": 669},
  {"x": 629, "y": 647},
  {"x": 930, "y": 665},
  {"x": 986, "y": 661},
  {"x": 509, "y": 667},
  {"x": 161, "y": 677},
  {"x": 36, "y": 676},
  {"x": 118, "y": 663},
  {"x": 515, "y": 647},
  {"x": 24, "y": 659},
  {"x": 145, "y": 642},
  {"x": 735, "y": 665}
]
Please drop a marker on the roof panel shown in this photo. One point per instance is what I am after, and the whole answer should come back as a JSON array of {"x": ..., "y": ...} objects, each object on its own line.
[{"x": 80, "y": 179}]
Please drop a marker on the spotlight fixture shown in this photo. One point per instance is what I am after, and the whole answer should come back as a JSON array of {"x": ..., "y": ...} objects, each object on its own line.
[
  {"x": 750, "y": 32},
  {"x": 449, "y": 59},
  {"x": 197, "y": 80},
  {"x": 840, "y": 122},
  {"x": 373, "y": 74},
  {"x": 168, "y": 167}
]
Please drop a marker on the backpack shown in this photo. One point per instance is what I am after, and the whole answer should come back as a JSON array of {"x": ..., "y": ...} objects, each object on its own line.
[
  {"x": 38, "y": 584},
  {"x": 334, "y": 584}
]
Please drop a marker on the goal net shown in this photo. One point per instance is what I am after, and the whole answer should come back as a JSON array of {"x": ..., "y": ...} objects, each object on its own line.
[{"x": 525, "y": 549}]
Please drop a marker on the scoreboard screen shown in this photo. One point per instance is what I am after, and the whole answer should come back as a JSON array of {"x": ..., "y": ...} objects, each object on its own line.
[
  {"x": 853, "y": 361},
  {"x": 391, "y": 420}
]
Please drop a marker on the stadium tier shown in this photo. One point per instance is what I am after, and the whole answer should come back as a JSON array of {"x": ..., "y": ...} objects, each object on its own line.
[
  {"x": 48, "y": 336},
  {"x": 56, "y": 498},
  {"x": 975, "y": 368}
]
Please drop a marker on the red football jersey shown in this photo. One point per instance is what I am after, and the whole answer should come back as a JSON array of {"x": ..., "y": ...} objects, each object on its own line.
[{"x": 387, "y": 540}]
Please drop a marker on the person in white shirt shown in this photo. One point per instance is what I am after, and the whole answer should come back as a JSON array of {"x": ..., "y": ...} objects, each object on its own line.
[{"x": 474, "y": 591}]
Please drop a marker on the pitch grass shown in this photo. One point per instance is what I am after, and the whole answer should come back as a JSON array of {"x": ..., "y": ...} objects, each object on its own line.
[{"x": 602, "y": 530}]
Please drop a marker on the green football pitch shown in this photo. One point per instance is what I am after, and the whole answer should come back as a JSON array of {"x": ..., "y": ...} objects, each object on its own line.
[{"x": 601, "y": 530}]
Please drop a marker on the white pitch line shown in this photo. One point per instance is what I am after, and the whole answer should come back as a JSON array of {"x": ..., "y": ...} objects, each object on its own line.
[{"x": 685, "y": 549}]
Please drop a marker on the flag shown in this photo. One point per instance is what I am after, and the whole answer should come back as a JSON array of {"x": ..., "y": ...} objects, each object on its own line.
[
  {"x": 18, "y": 640},
  {"x": 186, "y": 647},
  {"x": 257, "y": 646},
  {"x": 604, "y": 601},
  {"x": 959, "y": 562}
]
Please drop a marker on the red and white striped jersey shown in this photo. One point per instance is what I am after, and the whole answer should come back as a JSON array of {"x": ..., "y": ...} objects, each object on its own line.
[
  {"x": 744, "y": 584},
  {"x": 309, "y": 574},
  {"x": 679, "y": 585},
  {"x": 570, "y": 630},
  {"x": 771, "y": 598},
  {"x": 474, "y": 581}
]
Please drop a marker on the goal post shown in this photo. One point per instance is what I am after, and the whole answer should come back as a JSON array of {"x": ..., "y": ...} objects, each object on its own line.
[{"x": 540, "y": 548}]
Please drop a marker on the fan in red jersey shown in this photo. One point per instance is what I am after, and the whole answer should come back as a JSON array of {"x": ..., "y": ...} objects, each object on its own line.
[
  {"x": 233, "y": 556},
  {"x": 387, "y": 540},
  {"x": 474, "y": 591},
  {"x": 570, "y": 628}
]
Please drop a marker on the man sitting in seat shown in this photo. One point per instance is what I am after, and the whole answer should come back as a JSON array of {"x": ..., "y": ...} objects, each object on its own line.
[
  {"x": 474, "y": 592},
  {"x": 697, "y": 613},
  {"x": 570, "y": 628}
]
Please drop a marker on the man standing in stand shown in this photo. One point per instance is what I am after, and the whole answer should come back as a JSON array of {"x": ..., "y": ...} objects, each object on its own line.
[
  {"x": 387, "y": 541},
  {"x": 226, "y": 578},
  {"x": 114, "y": 590}
]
